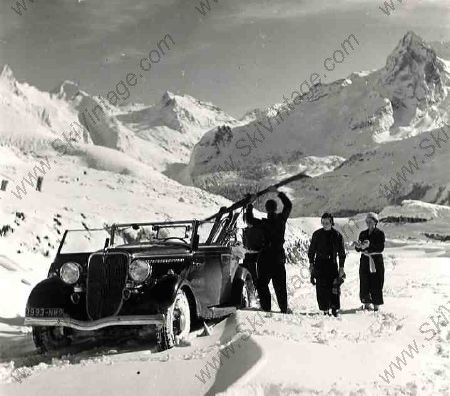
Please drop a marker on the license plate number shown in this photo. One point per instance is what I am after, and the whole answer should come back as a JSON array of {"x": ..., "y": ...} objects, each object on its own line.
[{"x": 44, "y": 312}]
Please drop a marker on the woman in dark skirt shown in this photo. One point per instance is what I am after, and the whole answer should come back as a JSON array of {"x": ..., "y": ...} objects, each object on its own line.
[
  {"x": 327, "y": 245},
  {"x": 371, "y": 269}
]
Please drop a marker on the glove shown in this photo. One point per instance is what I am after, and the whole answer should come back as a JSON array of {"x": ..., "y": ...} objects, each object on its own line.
[{"x": 312, "y": 278}]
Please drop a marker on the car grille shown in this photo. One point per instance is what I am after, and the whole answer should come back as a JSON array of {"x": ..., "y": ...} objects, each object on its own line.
[{"x": 106, "y": 280}]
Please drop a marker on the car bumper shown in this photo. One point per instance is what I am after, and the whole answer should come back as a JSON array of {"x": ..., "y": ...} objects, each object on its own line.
[{"x": 141, "y": 320}]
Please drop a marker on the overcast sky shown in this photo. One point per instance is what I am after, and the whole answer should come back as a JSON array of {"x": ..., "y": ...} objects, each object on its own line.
[{"x": 242, "y": 54}]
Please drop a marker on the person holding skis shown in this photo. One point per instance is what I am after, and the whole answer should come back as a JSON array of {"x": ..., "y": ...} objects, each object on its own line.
[
  {"x": 326, "y": 245},
  {"x": 371, "y": 268},
  {"x": 272, "y": 258}
]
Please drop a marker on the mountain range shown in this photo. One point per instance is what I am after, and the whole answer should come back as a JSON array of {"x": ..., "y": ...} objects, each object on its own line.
[
  {"x": 375, "y": 121},
  {"x": 355, "y": 137}
]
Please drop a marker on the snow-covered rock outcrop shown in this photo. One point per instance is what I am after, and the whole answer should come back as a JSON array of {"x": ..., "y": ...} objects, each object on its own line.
[{"x": 410, "y": 209}]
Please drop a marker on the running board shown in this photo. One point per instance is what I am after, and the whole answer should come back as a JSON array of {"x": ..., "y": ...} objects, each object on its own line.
[{"x": 219, "y": 312}]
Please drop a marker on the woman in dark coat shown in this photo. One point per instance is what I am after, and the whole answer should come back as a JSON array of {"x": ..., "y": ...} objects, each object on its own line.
[
  {"x": 327, "y": 245},
  {"x": 371, "y": 269}
]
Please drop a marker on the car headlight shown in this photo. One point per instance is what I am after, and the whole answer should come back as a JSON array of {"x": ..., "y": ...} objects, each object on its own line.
[
  {"x": 140, "y": 270},
  {"x": 70, "y": 273}
]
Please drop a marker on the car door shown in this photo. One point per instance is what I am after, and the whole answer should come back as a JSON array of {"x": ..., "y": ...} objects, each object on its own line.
[
  {"x": 229, "y": 264},
  {"x": 205, "y": 276}
]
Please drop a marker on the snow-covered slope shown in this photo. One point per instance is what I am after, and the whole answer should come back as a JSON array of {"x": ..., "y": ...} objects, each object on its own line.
[
  {"x": 31, "y": 119},
  {"x": 405, "y": 98},
  {"x": 414, "y": 168}
]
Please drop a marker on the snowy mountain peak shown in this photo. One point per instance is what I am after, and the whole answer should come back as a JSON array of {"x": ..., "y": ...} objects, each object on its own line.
[
  {"x": 171, "y": 99},
  {"x": 412, "y": 40},
  {"x": 7, "y": 74},
  {"x": 168, "y": 96},
  {"x": 414, "y": 78},
  {"x": 186, "y": 103},
  {"x": 186, "y": 113},
  {"x": 410, "y": 52},
  {"x": 8, "y": 80}
]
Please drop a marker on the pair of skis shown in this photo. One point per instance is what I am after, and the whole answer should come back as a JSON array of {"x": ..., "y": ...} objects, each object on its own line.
[{"x": 244, "y": 201}]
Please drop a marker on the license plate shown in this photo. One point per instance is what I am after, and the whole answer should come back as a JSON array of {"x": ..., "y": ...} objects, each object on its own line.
[{"x": 44, "y": 312}]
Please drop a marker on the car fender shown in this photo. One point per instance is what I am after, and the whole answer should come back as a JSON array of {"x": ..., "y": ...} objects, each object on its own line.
[
  {"x": 167, "y": 288},
  {"x": 241, "y": 274},
  {"x": 50, "y": 293}
]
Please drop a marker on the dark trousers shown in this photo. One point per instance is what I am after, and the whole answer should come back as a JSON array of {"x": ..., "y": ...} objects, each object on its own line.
[
  {"x": 327, "y": 289},
  {"x": 371, "y": 284},
  {"x": 250, "y": 260},
  {"x": 271, "y": 267}
]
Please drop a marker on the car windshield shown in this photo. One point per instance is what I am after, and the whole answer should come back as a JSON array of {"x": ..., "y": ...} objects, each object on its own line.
[
  {"x": 84, "y": 241},
  {"x": 153, "y": 233}
]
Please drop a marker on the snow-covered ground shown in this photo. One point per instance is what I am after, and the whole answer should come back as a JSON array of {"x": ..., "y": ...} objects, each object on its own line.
[
  {"x": 255, "y": 353},
  {"x": 303, "y": 353}
]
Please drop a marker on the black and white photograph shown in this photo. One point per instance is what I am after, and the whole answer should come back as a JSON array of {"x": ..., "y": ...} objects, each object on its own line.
[{"x": 224, "y": 197}]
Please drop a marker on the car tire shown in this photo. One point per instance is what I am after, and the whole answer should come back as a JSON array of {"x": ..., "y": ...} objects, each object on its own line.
[
  {"x": 246, "y": 294},
  {"x": 177, "y": 324},
  {"x": 47, "y": 339}
]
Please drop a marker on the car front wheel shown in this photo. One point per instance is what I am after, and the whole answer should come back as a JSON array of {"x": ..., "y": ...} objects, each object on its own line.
[
  {"x": 49, "y": 339},
  {"x": 177, "y": 323}
]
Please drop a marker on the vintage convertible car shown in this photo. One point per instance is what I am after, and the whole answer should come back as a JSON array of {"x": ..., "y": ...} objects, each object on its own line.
[{"x": 162, "y": 275}]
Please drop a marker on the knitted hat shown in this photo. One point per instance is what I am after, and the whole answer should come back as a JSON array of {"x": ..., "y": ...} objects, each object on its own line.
[{"x": 373, "y": 216}]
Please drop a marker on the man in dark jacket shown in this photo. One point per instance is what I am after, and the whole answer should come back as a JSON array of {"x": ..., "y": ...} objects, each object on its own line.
[
  {"x": 371, "y": 268},
  {"x": 272, "y": 258},
  {"x": 253, "y": 238},
  {"x": 326, "y": 245}
]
